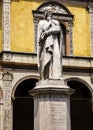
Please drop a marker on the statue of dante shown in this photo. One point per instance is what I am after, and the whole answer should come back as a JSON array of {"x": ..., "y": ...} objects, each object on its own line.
[{"x": 49, "y": 47}]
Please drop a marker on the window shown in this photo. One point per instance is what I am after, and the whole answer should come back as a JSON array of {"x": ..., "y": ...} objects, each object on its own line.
[{"x": 63, "y": 15}]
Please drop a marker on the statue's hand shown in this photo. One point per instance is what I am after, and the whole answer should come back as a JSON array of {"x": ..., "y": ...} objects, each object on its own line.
[{"x": 44, "y": 34}]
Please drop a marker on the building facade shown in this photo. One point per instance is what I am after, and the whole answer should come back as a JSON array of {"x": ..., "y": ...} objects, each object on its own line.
[{"x": 18, "y": 59}]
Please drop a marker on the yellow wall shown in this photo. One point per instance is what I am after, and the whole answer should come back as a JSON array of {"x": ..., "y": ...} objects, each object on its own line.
[
  {"x": 22, "y": 27},
  {"x": 0, "y": 27},
  {"x": 81, "y": 31}
]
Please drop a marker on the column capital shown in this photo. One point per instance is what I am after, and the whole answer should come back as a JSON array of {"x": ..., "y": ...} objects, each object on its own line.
[
  {"x": 8, "y": 76},
  {"x": 90, "y": 9},
  {"x": 36, "y": 20},
  {"x": 70, "y": 24}
]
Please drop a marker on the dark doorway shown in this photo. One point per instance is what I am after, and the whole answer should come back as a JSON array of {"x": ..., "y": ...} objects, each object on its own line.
[
  {"x": 81, "y": 107},
  {"x": 23, "y": 108}
]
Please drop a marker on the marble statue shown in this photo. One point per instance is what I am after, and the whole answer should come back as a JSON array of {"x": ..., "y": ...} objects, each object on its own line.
[{"x": 49, "y": 47}]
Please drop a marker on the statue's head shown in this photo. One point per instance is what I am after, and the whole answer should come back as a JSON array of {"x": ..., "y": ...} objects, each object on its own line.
[{"x": 47, "y": 12}]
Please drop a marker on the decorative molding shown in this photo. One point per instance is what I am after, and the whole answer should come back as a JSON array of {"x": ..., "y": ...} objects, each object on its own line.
[
  {"x": 6, "y": 24},
  {"x": 57, "y": 7},
  {"x": 77, "y": 3},
  {"x": 8, "y": 120},
  {"x": 70, "y": 37},
  {"x": 91, "y": 28},
  {"x": 91, "y": 77},
  {"x": 35, "y": 33},
  {"x": 30, "y": 59},
  {"x": 64, "y": 17},
  {"x": 90, "y": 9},
  {"x": 1, "y": 114},
  {"x": 7, "y": 79},
  {"x": 6, "y": 1},
  {"x": 7, "y": 57},
  {"x": 7, "y": 76},
  {"x": 18, "y": 58},
  {"x": 1, "y": 93},
  {"x": 7, "y": 90}
]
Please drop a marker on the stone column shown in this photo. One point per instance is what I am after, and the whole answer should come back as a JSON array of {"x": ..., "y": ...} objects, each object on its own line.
[
  {"x": 6, "y": 24},
  {"x": 70, "y": 25},
  {"x": 7, "y": 101},
  {"x": 67, "y": 43},
  {"x": 91, "y": 28},
  {"x": 51, "y": 105},
  {"x": 35, "y": 33},
  {"x": 1, "y": 114}
]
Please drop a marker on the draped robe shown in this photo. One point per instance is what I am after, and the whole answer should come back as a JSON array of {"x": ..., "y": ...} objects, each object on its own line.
[{"x": 50, "y": 50}]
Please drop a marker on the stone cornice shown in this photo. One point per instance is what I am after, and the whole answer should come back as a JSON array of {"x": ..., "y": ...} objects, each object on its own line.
[
  {"x": 77, "y": 3},
  {"x": 80, "y": 3},
  {"x": 64, "y": 17},
  {"x": 30, "y": 59}
]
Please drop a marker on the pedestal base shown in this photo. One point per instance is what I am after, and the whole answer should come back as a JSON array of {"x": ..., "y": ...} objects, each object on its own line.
[{"x": 51, "y": 105}]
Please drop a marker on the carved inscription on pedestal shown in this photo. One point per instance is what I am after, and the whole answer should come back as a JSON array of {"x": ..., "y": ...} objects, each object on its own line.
[{"x": 58, "y": 115}]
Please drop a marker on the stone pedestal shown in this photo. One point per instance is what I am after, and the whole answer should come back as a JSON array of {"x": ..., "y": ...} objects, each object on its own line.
[{"x": 51, "y": 105}]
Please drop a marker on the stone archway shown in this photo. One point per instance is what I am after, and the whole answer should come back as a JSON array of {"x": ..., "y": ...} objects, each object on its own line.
[
  {"x": 23, "y": 107},
  {"x": 81, "y": 106}
]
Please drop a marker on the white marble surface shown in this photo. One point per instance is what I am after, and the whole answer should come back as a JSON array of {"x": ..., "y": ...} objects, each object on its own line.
[{"x": 51, "y": 112}]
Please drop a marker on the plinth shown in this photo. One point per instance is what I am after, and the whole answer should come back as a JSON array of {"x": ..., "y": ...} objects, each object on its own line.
[{"x": 51, "y": 105}]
